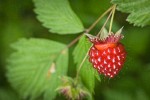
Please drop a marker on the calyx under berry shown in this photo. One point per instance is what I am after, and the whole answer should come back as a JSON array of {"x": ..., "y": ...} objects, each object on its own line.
[{"x": 106, "y": 37}]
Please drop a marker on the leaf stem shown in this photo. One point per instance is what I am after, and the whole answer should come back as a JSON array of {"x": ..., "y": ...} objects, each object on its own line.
[
  {"x": 74, "y": 41},
  {"x": 94, "y": 24},
  {"x": 112, "y": 17}
]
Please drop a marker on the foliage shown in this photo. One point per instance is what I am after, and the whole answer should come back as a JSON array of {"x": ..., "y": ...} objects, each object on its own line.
[
  {"x": 36, "y": 67},
  {"x": 139, "y": 11},
  {"x": 87, "y": 72},
  {"x": 58, "y": 16}
]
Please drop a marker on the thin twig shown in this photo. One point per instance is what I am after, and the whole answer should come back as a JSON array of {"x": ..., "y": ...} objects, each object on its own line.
[
  {"x": 78, "y": 71},
  {"x": 111, "y": 22},
  {"x": 93, "y": 25},
  {"x": 74, "y": 41},
  {"x": 105, "y": 23},
  {"x": 71, "y": 43}
]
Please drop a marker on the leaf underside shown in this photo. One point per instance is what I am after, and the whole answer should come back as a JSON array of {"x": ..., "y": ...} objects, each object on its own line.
[
  {"x": 29, "y": 69},
  {"x": 87, "y": 72},
  {"x": 57, "y": 16},
  {"x": 139, "y": 11}
]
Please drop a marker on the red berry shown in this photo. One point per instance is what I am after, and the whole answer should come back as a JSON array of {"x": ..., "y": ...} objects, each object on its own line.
[{"x": 107, "y": 56}]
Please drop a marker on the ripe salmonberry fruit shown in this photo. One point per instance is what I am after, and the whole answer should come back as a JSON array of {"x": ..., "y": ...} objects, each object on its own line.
[{"x": 108, "y": 55}]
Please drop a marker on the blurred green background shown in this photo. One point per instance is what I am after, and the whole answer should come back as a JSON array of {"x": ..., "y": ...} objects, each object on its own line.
[{"x": 17, "y": 20}]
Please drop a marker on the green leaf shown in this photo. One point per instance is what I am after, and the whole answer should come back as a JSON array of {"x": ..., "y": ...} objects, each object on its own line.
[
  {"x": 57, "y": 16},
  {"x": 62, "y": 62},
  {"x": 35, "y": 67},
  {"x": 139, "y": 11},
  {"x": 87, "y": 72}
]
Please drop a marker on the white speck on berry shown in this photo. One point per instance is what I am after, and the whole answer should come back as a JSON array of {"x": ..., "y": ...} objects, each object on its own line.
[
  {"x": 113, "y": 60},
  {"x": 119, "y": 63},
  {"x": 114, "y": 66},
  {"x": 99, "y": 59},
  {"x": 118, "y": 57},
  {"x": 105, "y": 62},
  {"x": 108, "y": 57},
  {"x": 109, "y": 66},
  {"x": 114, "y": 51}
]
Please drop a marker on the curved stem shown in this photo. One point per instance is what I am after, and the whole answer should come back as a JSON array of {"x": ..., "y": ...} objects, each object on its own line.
[
  {"x": 94, "y": 24},
  {"x": 105, "y": 23},
  {"x": 112, "y": 17},
  {"x": 78, "y": 71}
]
